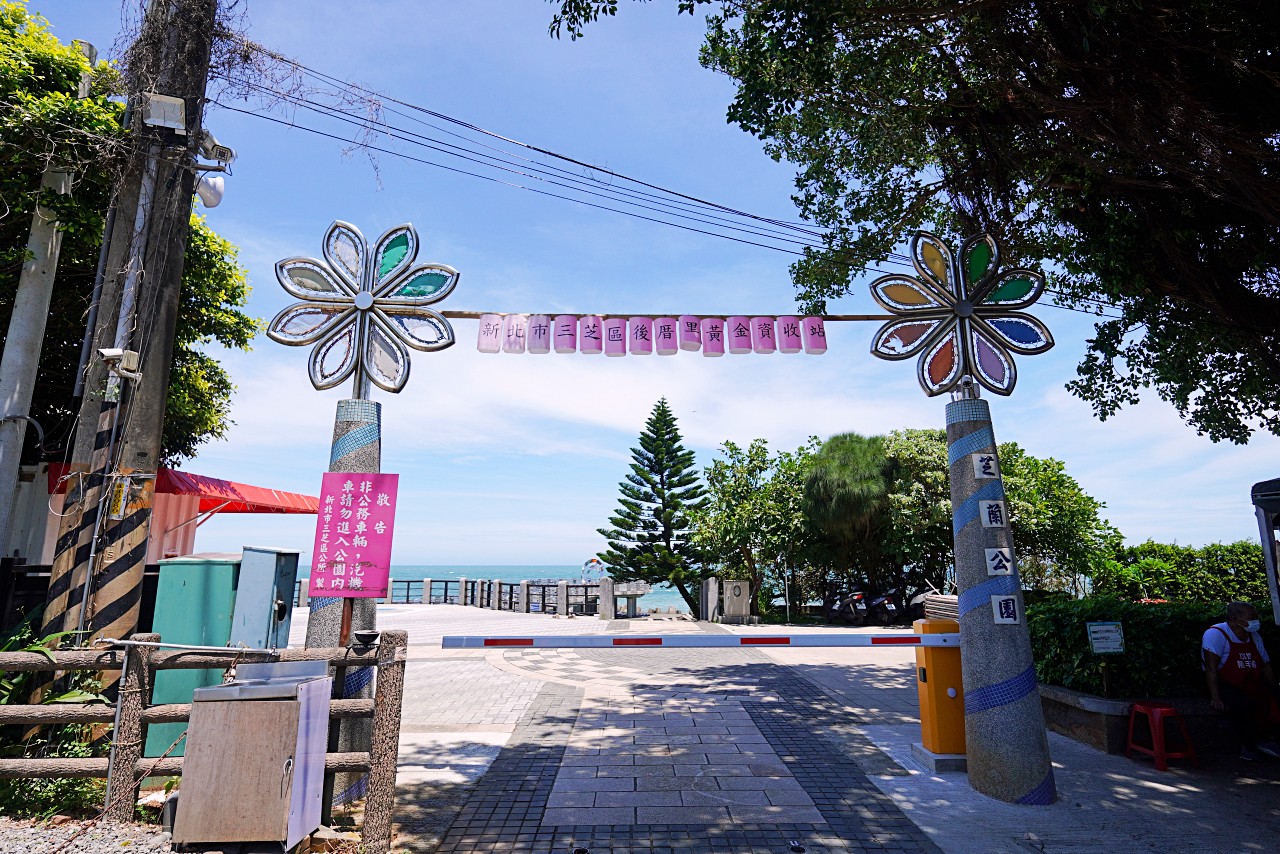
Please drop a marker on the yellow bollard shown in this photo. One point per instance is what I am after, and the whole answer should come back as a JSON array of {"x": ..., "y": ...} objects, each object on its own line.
[{"x": 941, "y": 690}]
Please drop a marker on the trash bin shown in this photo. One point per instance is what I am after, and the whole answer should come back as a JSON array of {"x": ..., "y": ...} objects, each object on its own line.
[{"x": 254, "y": 766}]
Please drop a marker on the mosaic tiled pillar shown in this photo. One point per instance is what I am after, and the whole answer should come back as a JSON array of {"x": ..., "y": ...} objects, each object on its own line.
[
  {"x": 1008, "y": 751},
  {"x": 357, "y": 447}
]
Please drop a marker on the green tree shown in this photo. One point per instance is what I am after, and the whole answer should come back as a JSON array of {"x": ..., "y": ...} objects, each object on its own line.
[
  {"x": 1132, "y": 146},
  {"x": 43, "y": 124},
  {"x": 1061, "y": 538},
  {"x": 754, "y": 525},
  {"x": 649, "y": 538},
  {"x": 1058, "y": 532},
  {"x": 845, "y": 500},
  {"x": 918, "y": 537}
]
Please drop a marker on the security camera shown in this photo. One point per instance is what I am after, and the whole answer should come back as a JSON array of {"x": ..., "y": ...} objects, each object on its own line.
[
  {"x": 211, "y": 149},
  {"x": 121, "y": 362}
]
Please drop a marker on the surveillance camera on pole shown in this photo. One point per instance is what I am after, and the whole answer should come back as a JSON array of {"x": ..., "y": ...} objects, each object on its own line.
[
  {"x": 121, "y": 362},
  {"x": 210, "y": 188}
]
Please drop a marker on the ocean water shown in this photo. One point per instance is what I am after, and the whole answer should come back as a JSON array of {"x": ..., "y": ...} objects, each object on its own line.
[{"x": 663, "y": 596}]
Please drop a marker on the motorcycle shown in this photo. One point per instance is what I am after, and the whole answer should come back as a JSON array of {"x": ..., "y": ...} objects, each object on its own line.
[
  {"x": 883, "y": 609},
  {"x": 850, "y": 608},
  {"x": 890, "y": 608}
]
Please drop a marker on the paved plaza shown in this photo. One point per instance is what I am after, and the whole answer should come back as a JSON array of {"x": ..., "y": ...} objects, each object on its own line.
[{"x": 744, "y": 750}]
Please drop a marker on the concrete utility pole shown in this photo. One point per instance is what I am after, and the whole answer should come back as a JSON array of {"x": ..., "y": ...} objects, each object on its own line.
[
  {"x": 25, "y": 339},
  {"x": 96, "y": 581}
]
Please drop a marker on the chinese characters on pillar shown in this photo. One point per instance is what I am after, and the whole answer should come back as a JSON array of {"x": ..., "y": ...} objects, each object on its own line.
[
  {"x": 352, "y": 554},
  {"x": 999, "y": 561},
  {"x": 994, "y": 515},
  {"x": 985, "y": 466},
  {"x": 644, "y": 336},
  {"x": 1005, "y": 609}
]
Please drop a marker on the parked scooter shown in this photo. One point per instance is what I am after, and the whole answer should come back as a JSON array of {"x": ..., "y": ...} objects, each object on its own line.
[
  {"x": 850, "y": 608},
  {"x": 890, "y": 609},
  {"x": 883, "y": 610}
]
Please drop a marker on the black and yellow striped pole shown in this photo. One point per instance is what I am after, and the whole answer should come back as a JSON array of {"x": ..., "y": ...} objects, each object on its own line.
[{"x": 96, "y": 581}]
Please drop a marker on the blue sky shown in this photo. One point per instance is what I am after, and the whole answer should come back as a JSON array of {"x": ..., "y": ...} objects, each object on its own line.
[{"x": 516, "y": 459}]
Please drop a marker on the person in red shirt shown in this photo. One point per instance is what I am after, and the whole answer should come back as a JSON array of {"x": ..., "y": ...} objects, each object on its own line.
[{"x": 1241, "y": 680}]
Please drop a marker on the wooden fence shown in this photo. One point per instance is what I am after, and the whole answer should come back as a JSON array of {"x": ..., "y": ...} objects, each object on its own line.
[{"x": 134, "y": 712}]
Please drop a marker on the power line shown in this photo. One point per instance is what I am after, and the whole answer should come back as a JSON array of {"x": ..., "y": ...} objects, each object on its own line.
[
  {"x": 380, "y": 97},
  {"x": 448, "y": 168},
  {"x": 400, "y": 134},
  {"x": 556, "y": 176}
]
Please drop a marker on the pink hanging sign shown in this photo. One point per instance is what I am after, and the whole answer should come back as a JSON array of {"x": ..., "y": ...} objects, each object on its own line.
[
  {"x": 539, "y": 340},
  {"x": 615, "y": 336},
  {"x": 815, "y": 336},
  {"x": 591, "y": 331},
  {"x": 566, "y": 334},
  {"x": 762, "y": 338},
  {"x": 640, "y": 336},
  {"x": 490, "y": 339},
  {"x": 514, "y": 327},
  {"x": 789, "y": 339},
  {"x": 690, "y": 332},
  {"x": 352, "y": 553},
  {"x": 738, "y": 330},
  {"x": 666, "y": 336},
  {"x": 712, "y": 336}
]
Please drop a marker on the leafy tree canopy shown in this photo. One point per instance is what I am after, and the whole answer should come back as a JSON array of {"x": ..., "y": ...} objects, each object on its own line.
[
  {"x": 903, "y": 537},
  {"x": 1130, "y": 146},
  {"x": 650, "y": 535},
  {"x": 43, "y": 124},
  {"x": 754, "y": 524}
]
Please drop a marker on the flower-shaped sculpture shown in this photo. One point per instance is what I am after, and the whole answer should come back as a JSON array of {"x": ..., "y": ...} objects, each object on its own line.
[
  {"x": 361, "y": 308},
  {"x": 961, "y": 315}
]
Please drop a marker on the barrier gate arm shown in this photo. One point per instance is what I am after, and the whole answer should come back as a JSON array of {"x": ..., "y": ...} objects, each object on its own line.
[{"x": 702, "y": 641}]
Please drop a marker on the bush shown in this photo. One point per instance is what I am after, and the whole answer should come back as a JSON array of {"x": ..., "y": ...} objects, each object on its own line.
[
  {"x": 1218, "y": 572},
  {"x": 44, "y": 797},
  {"x": 1162, "y": 645}
]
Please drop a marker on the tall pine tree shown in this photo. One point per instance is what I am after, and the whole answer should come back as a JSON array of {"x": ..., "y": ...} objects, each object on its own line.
[{"x": 649, "y": 537}]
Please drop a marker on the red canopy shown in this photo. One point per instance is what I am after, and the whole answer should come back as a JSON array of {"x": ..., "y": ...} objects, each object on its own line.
[{"x": 222, "y": 496}]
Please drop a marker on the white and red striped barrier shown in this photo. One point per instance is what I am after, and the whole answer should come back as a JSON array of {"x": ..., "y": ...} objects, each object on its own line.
[{"x": 700, "y": 641}]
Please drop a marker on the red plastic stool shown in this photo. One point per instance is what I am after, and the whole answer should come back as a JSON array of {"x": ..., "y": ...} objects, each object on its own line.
[{"x": 1156, "y": 716}]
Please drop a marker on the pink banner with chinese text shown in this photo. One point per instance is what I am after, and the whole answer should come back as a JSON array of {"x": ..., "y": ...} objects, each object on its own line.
[{"x": 352, "y": 554}]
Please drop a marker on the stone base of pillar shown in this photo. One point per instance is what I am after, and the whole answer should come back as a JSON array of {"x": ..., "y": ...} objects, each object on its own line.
[{"x": 940, "y": 763}]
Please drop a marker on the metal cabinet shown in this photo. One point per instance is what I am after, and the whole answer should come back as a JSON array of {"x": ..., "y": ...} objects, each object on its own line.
[
  {"x": 737, "y": 601},
  {"x": 254, "y": 768},
  {"x": 264, "y": 597},
  {"x": 218, "y": 599}
]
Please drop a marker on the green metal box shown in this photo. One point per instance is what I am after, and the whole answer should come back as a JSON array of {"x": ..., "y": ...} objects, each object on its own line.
[
  {"x": 195, "y": 599},
  {"x": 242, "y": 600}
]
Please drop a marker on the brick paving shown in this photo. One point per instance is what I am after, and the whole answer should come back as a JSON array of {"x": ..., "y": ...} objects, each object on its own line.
[
  {"x": 746, "y": 750},
  {"x": 674, "y": 750}
]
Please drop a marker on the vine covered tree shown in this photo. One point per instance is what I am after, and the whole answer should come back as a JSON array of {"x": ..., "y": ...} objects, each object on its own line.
[
  {"x": 649, "y": 534},
  {"x": 1132, "y": 146},
  {"x": 44, "y": 125}
]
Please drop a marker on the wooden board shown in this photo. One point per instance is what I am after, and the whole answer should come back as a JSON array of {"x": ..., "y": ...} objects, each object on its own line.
[{"x": 237, "y": 777}]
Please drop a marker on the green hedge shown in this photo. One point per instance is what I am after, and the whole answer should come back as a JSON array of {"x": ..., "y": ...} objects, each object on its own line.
[
  {"x": 1162, "y": 645},
  {"x": 1218, "y": 572}
]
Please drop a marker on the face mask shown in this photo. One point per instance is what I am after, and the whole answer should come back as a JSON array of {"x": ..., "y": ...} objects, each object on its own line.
[{"x": 1253, "y": 625}]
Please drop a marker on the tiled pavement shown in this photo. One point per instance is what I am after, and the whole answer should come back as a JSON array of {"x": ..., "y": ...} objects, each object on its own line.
[
  {"x": 830, "y": 726},
  {"x": 679, "y": 770},
  {"x": 638, "y": 750}
]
